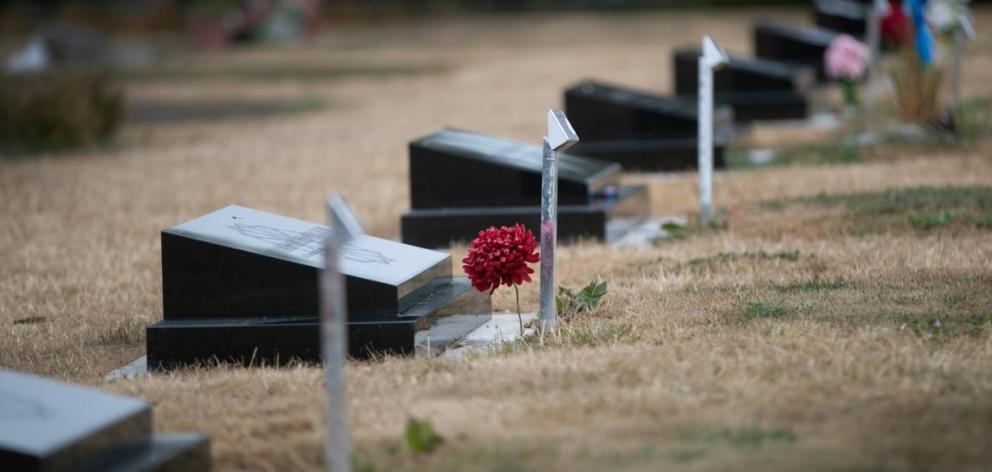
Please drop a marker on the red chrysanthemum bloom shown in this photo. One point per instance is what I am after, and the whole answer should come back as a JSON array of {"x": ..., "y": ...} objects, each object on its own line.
[{"x": 499, "y": 256}]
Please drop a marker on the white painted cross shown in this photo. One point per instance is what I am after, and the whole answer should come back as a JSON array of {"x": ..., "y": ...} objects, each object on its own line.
[
  {"x": 560, "y": 137},
  {"x": 334, "y": 334},
  {"x": 713, "y": 58}
]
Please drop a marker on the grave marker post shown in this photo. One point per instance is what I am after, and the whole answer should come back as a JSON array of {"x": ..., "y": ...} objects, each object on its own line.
[
  {"x": 334, "y": 337},
  {"x": 560, "y": 137},
  {"x": 878, "y": 10},
  {"x": 712, "y": 58}
]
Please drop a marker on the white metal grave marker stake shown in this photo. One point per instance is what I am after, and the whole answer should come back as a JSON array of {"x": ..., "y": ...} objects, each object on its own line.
[
  {"x": 560, "y": 137},
  {"x": 878, "y": 10},
  {"x": 334, "y": 336},
  {"x": 713, "y": 57},
  {"x": 965, "y": 30}
]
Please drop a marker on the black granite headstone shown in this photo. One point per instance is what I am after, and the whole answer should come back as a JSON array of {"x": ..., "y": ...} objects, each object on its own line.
[
  {"x": 241, "y": 285},
  {"x": 463, "y": 182},
  {"x": 795, "y": 45},
  {"x": 842, "y": 16},
  {"x": 756, "y": 89},
  {"x": 640, "y": 130},
  {"x": 51, "y": 426}
]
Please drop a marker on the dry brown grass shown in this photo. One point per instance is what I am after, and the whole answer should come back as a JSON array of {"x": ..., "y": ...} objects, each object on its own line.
[{"x": 796, "y": 349}]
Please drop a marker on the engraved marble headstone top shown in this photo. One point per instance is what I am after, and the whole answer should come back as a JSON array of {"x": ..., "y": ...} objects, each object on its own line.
[
  {"x": 515, "y": 154},
  {"x": 40, "y": 417},
  {"x": 302, "y": 242}
]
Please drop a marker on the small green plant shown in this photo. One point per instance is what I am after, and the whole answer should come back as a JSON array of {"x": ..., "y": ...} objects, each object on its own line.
[
  {"x": 570, "y": 303},
  {"x": 929, "y": 220},
  {"x": 675, "y": 230},
  {"x": 723, "y": 257},
  {"x": 421, "y": 437}
]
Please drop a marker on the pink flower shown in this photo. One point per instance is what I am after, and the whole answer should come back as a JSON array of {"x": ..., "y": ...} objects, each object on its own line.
[{"x": 846, "y": 58}]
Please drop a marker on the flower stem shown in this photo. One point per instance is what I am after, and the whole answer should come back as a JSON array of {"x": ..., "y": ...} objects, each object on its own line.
[{"x": 520, "y": 317}]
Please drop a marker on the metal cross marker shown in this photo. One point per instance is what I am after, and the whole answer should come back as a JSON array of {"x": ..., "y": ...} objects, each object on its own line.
[
  {"x": 334, "y": 336},
  {"x": 560, "y": 137},
  {"x": 965, "y": 31},
  {"x": 713, "y": 58}
]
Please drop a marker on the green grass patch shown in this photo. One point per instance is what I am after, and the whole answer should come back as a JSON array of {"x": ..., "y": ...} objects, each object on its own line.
[
  {"x": 921, "y": 209},
  {"x": 729, "y": 257},
  {"x": 751, "y": 310},
  {"x": 676, "y": 231},
  {"x": 688, "y": 455},
  {"x": 836, "y": 152},
  {"x": 813, "y": 285},
  {"x": 974, "y": 119},
  {"x": 742, "y": 437}
]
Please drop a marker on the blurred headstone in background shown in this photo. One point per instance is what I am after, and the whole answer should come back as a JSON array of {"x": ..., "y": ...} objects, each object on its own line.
[
  {"x": 214, "y": 24},
  {"x": 58, "y": 45}
]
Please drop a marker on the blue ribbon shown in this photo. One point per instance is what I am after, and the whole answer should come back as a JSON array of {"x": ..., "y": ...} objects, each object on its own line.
[{"x": 924, "y": 39}]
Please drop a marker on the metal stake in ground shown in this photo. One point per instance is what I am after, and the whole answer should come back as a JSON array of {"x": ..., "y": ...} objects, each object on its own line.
[
  {"x": 334, "y": 336},
  {"x": 713, "y": 57},
  {"x": 560, "y": 137},
  {"x": 965, "y": 30},
  {"x": 876, "y": 12}
]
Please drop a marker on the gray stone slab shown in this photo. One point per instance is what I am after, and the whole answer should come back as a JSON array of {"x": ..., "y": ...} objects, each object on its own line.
[
  {"x": 133, "y": 370},
  {"x": 48, "y": 425}
]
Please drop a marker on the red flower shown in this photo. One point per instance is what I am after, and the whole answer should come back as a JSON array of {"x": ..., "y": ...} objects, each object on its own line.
[
  {"x": 895, "y": 26},
  {"x": 500, "y": 257}
]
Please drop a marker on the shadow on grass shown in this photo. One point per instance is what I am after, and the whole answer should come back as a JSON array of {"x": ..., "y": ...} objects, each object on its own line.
[
  {"x": 153, "y": 112},
  {"x": 281, "y": 72}
]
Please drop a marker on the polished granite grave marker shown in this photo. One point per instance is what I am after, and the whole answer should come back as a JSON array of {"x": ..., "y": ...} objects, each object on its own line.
[
  {"x": 241, "y": 285},
  {"x": 795, "y": 45},
  {"x": 463, "y": 182},
  {"x": 640, "y": 130},
  {"x": 756, "y": 89},
  {"x": 51, "y": 426},
  {"x": 842, "y": 16}
]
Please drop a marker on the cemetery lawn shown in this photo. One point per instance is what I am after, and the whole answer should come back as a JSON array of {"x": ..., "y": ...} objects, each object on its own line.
[{"x": 838, "y": 318}]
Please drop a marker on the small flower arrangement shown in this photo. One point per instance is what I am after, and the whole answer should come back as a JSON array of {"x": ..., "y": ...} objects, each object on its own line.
[
  {"x": 500, "y": 256},
  {"x": 846, "y": 61}
]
